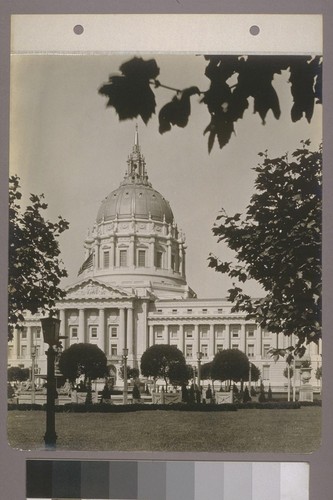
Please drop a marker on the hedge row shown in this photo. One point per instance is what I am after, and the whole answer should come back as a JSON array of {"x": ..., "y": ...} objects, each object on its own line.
[{"x": 111, "y": 408}]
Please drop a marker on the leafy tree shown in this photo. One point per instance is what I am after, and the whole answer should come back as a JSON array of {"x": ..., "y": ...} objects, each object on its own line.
[
  {"x": 278, "y": 243},
  {"x": 206, "y": 371},
  {"x": 255, "y": 374},
  {"x": 230, "y": 364},
  {"x": 233, "y": 81},
  {"x": 288, "y": 373},
  {"x": 83, "y": 359},
  {"x": 132, "y": 373},
  {"x": 319, "y": 373},
  {"x": 246, "y": 396},
  {"x": 180, "y": 374},
  {"x": 157, "y": 359},
  {"x": 17, "y": 374},
  {"x": 35, "y": 268}
]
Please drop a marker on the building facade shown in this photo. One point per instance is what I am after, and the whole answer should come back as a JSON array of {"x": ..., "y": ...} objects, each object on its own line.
[{"x": 132, "y": 293}]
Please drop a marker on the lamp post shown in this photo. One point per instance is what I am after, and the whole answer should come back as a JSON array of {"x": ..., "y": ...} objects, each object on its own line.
[
  {"x": 33, "y": 365},
  {"x": 250, "y": 377},
  {"x": 199, "y": 357},
  {"x": 50, "y": 327},
  {"x": 125, "y": 354}
]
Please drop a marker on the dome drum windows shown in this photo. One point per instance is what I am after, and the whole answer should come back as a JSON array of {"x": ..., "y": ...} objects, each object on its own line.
[
  {"x": 106, "y": 259},
  {"x": 123, "y": 258},
  {"x": 141, "y": 258}
]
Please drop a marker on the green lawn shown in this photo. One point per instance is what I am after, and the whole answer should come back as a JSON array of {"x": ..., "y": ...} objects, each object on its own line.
[{"x": 297, "y": 431}]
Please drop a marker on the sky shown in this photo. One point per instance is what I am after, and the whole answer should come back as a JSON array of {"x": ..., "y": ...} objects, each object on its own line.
[{"x": 66, "y": 144}]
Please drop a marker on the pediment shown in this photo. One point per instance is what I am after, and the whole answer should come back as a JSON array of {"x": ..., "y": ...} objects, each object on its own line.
[{"x": 93, "y": 289}]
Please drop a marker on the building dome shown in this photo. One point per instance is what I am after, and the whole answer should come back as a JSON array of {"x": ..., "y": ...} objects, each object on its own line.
[
  {"x": 135, "y": 199},
  {"x": 135, "y": 196}
]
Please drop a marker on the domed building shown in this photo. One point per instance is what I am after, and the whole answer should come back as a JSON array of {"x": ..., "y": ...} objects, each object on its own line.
[{"x": 132, "y": 293}]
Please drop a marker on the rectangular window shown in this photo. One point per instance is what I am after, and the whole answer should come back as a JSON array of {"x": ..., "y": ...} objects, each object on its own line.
[
  {"x": 204, "y": 311},
  {"x": 265, "y": 372},
  {"x": 37, "y": 333},
  {"x": 123, "y": 258},
  {"x": 250, "y": 350},
  {"x": 174, "y": 311},
  {"x": 114, "y": 332},
  {"x": 250, "y": 330},
  {"x": 93, "y": 332},
  {"x": 173, "y": 262},
  {"x": 158, "y": 332},
  {"x": 188, "y": 332},
  {"x": 219, "y": 347},
  {"x": 234, "y": 330},
  {"x": 23, "y": 351},
  {"x": 74, "y": 332},
  {"x": 189, "y": 351},
  {"x": 173, "y": 330},
  {"x": 234, "y": 346},
  {"x": 219, "y": 331},
  {"x": 114, "y": 350},
  {"x": 159, "y": 311},
  {"x": 24, "y": 333},
  {"x": 142, "y": 258},
  {"x": 189, "y": 311},
  {"x": 204, "y": 350},
  {"x": 266, "y": 348},
  {"x": 219, "y": 311},
  {"x": 204, "y": 331},
  {"x": 266, "y": 333},
  {"x": 106, "y": 259},
  {"x": 159, "y": 259}
]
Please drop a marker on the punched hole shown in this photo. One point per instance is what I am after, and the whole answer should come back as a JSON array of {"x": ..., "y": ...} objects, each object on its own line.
[
  {"x": 78, "y": 29},
  {"x": 254, "y": 30}
]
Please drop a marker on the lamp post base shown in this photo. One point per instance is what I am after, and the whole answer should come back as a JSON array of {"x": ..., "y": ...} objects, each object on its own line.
[{"x": 50, "y": 439}]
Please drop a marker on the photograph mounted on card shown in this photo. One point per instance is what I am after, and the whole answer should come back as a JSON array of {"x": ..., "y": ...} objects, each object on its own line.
[{"x": 165, "y": 233}]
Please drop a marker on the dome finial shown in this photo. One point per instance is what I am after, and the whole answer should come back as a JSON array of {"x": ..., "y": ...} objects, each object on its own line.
[{"x": 136, "y": 137}]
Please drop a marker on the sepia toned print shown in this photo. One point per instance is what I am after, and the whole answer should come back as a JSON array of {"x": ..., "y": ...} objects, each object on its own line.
[{"x": 172, "y": 168}]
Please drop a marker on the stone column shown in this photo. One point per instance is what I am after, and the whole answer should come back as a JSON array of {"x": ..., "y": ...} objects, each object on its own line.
[
  {"x": 180, "y": 262},
  {"x": 182, "y": 338},
  {"x": 151, "y": 252},
  {"x": 151, "y": 335},
  {"x": 130, "y": 324},
  {"x": 259, "y": 343},
  {"x": 196, "y": 343},
  {"x": 62, "y": 330},
  {"x": 112, "y": 252},
  {"x": 131, "y": 252},
  {"x": 81, "y": 330},
  {"x": 228, "y": 336},
  {"x": 16, "y": 334},
  {"x": 101, "y": 330},
  {"x": 122, "y": 333},
  {"x": 211, "y": 345},
  {"x": 243, "y": 337},
  {"x": 29, "y": 341},
  {"x": 169, "y": 255}
]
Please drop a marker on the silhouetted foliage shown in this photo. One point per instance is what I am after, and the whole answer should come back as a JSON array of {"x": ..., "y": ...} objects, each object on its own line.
[
  {"x": 17, "y": 374},
  {"x": 230, "y": 364},
  {"x": 278, "y": 243},
  {"x": 206, "y": 371},
  {"x": 35, "y": 269},
  {"x": 83, "y": 359},
  {"x": 246, "y": 396},
  {"x": 233, "y": 81},
  {"x": 157, "y": 359},
  {"x": 255, "y": 374},
  {"x": 180, "y": 374}
]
